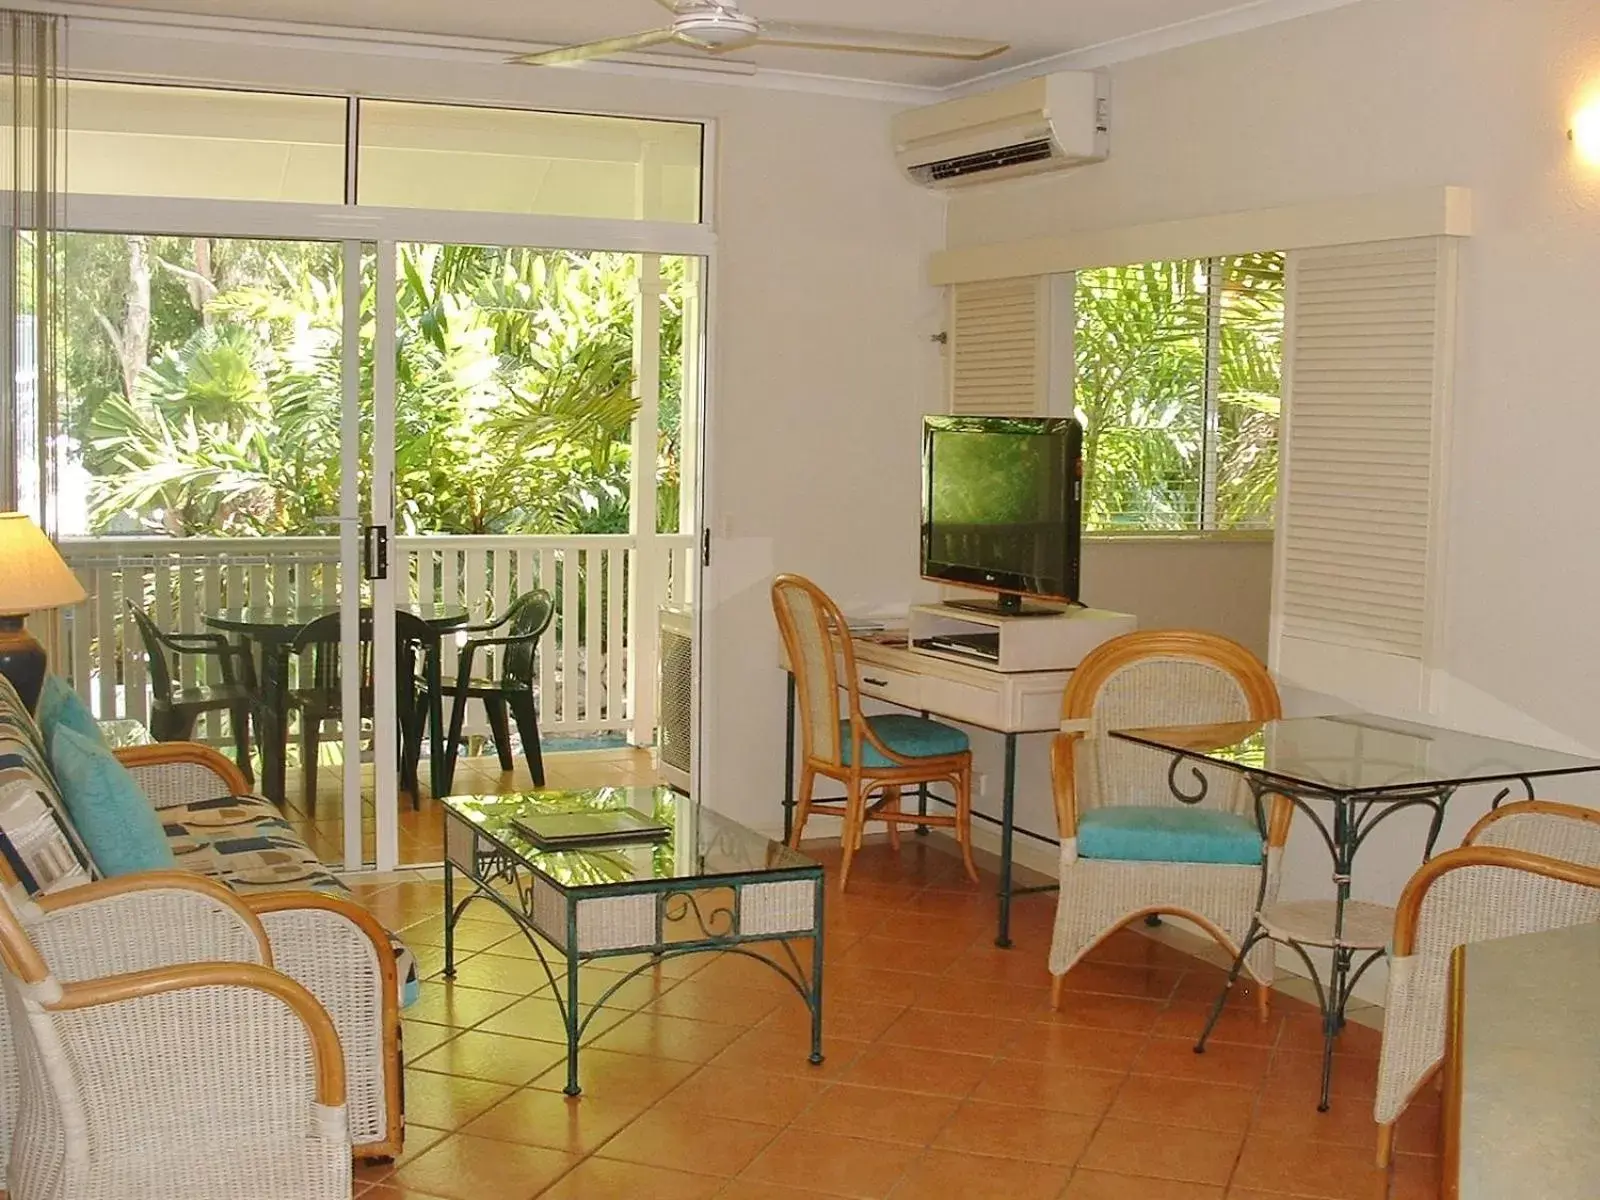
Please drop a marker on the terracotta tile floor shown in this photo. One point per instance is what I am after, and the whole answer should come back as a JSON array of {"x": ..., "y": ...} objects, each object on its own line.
[{"x": 947, "y": 1075}]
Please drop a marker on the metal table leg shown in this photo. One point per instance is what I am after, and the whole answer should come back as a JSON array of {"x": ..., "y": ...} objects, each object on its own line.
[
  {"x": 922, "y": 796},
  {"x": 788, "y": 758},
  {"x": 275, "y": 723},
  {"x": 1008, "y": 817},
  {"x": 449, "y": 920},
  {"x": 437, "y": 784}
]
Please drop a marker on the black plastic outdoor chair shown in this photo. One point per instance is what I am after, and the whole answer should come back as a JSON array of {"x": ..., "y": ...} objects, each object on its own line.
[
  {"x": 319, "y": 696},
  {"x": 174, "y": 708},
  {"x": 513, "y": 694}
]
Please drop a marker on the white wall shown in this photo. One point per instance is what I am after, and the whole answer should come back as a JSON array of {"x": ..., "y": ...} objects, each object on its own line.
[
  {"x": 1219, "y": 585},
  {"x": 819, "y": 376},
  {"x": 1375, "y": 97}
]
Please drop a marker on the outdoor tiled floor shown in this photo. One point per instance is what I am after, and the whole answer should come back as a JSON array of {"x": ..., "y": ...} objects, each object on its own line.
[{"x": 947, "y": 1076}]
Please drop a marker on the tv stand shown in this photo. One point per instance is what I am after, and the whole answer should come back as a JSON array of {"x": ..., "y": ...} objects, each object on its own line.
[
  {"x": 998, "y": 641},
  {"x": 1007, "y": 604}
]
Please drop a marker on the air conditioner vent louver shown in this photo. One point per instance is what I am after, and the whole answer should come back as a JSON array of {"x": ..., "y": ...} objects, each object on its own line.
[
  {"x": 988, "y": 160},
  {"x": 675, "y": 711},
  {"x": 1047, "y": 123}
]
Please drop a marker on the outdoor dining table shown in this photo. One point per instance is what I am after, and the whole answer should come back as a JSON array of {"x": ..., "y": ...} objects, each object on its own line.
[
  {"x": 1347, "y": 775},
  {"x": 274, "y": 629}
]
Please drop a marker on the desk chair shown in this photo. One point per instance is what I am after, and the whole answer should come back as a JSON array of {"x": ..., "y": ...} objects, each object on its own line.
[
  {"x": 881, "y": 754},
  {"x": 1129, "y": 847},
  {"x": 1524, "y": 868}
]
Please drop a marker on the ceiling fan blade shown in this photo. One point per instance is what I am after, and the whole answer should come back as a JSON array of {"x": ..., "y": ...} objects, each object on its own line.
[
  {"x": 879, "y": 41},
  {"x": 602, "y": 49}
]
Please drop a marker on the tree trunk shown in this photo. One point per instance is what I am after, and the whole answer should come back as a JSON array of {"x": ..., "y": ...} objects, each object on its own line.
[
  {"x": 133, "y": 346},
  {"x": 203, "y": 283}
]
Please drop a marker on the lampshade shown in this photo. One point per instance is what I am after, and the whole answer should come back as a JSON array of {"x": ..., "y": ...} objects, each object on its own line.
[{"x": 32, "y": 575}]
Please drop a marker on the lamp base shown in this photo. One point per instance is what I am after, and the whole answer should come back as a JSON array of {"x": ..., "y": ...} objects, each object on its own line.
[{"x": 22, "y": 660}]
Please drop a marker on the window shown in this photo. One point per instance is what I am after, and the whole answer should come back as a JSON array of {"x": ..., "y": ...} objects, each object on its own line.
[
  {"x": 1177, "y": 383},
  {"x": 205, "y": 143},
  {"x": 128, "y": 139},
  {"x": 513, "y": 161}
]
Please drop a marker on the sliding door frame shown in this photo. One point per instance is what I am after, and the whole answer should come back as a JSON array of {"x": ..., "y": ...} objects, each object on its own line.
[{"x": 385, "y": 228}]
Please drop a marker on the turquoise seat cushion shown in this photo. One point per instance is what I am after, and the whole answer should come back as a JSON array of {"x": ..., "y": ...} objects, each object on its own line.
[
  {"x": 60, "y": 705},
  {"x": 1168, "y": 834},
  {"x": 116, "y": 820},
  {"x": 913, "y": 737}
]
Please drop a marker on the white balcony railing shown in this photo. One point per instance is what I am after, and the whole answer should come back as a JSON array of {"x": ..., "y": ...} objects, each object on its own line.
[{"x": 597, "y": 664}]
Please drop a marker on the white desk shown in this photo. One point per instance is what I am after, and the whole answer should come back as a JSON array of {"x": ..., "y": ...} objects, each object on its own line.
[{"x": 1007, "y": 703}]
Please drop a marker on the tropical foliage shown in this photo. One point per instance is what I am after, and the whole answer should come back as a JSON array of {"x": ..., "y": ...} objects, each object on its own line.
[
  {"x": 1147, "y": 340},
  {"x": 205, "y": 385}
]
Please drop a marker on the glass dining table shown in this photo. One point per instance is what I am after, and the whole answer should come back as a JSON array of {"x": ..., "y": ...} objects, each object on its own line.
[
  {"x": 274, "y": 629},
  {"x": 1346, "y": 775}
]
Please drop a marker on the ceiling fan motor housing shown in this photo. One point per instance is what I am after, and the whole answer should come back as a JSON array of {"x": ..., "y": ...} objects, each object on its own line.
[{"x": 717, "y": 29}]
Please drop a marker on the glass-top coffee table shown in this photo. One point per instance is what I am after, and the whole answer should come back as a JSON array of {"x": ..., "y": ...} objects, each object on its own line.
[{"x": 713, "y": 885}]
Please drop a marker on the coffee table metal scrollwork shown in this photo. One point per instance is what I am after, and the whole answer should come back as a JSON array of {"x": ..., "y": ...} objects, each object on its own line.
[{"x": 713, "y": 886}]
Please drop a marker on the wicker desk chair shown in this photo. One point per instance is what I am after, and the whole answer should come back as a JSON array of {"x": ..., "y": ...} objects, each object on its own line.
[
  {"x": 174, "y": 709},
  {"x": 1524, "y": 868},
  {"x": 880, "y": 754},
  {"x": 155, "y": 1068},
  {"x": 1129, "y": 847},
  {"x": 511, "y": 696}
]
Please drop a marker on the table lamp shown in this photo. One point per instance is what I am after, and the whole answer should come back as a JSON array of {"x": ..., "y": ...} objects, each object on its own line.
[{"x": 32, "y": 577}]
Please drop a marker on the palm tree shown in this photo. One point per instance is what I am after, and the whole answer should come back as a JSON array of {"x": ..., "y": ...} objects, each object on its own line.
[{"x": 514, "y": 403}]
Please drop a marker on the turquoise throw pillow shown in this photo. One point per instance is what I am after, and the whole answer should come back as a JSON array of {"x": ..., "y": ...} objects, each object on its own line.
[
  {"x": 60, "y": 705},
  {"x": 1137, "y": 833},
  {"x": 116, "y": 820}
]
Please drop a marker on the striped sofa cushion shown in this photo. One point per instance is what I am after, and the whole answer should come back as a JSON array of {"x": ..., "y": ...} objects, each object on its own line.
[{"x": 37, "y": 836}]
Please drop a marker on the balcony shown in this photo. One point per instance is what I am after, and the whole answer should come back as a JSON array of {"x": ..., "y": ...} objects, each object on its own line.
[{"x": 597, "y": 665}]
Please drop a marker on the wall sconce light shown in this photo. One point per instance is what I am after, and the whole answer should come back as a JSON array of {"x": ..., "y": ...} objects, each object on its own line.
[{"x": 1585, "y": 132}]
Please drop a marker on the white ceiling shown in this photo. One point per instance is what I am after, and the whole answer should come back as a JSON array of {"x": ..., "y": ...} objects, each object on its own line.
[{"x": 1036, "y": 29}]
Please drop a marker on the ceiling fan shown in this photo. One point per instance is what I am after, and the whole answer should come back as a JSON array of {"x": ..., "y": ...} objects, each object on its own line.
[{"x": 719, "y": 26}]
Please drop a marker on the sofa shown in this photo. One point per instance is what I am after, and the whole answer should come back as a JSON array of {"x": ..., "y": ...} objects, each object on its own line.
[{"x": 318, "y": 934}]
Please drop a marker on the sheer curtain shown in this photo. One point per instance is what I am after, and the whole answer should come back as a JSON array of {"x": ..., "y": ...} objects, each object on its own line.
[
  {"x": 33, "y": 94},
  {"x": 33, "y": 99}
]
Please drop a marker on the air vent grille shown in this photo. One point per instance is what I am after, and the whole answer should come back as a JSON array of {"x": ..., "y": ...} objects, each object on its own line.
[{"x": 988, "y": 160}]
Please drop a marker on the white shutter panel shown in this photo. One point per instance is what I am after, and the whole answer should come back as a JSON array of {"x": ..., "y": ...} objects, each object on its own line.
[
  {"x": 999, "y": 347},
  {"x": 1367, "y": 376}
]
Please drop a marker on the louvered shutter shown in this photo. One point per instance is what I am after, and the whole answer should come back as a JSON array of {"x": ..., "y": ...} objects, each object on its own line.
[
  {"x": 999, "y": 347},
  {"x": 1367, "y": 378}
]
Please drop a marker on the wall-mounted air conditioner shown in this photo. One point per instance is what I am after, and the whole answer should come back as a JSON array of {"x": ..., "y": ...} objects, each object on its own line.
[
  {"x": 675, "y": 703},
  {"x": 1041, "y": 124}
]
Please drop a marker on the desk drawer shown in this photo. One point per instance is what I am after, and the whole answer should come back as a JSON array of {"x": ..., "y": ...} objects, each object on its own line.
[{"x": 891, "y": 686}]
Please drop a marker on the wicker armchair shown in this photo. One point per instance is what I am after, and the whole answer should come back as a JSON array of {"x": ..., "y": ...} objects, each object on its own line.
[
  {"x": 1524, "y": 868},
  {"x": 331, "y": 946},
  {"x": 867, "y": 754},
  {"x": 160, "y": 1054},
  {"x": 1147, "y": 680}
]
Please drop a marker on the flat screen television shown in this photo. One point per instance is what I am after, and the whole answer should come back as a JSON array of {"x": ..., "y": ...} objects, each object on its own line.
[{"x": 1002, "y": 508}]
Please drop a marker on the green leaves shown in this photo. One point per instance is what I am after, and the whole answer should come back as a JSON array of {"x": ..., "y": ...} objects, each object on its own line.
[
  {"x": 1147, "y": 397},
  {"x": 514, "y": 389}
]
